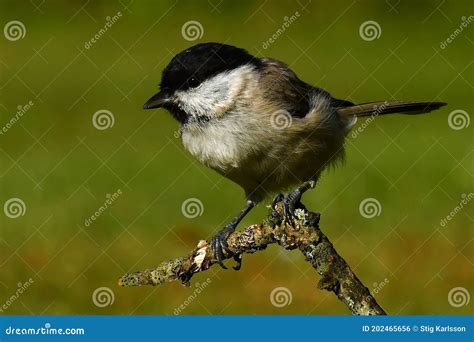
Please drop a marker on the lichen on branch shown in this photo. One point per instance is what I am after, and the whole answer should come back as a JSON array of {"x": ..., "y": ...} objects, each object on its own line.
[{"x": 304, "y": 234}]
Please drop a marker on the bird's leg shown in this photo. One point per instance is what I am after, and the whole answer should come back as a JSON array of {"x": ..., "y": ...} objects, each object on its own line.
[
  {"x": 219, "y": 241},
  {"x": 292, "y": 199},
  {"x": 278, "y": 198}
]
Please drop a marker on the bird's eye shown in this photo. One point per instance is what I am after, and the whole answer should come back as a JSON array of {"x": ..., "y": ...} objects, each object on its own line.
[{"x": 193, "y": 82}]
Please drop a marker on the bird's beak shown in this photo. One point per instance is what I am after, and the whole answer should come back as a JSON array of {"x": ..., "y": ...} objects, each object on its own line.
[{"x": 157, "y": 100}]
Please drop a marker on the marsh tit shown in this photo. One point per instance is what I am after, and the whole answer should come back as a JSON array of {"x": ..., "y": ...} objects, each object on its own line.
[{"x": 255, "y": 122}]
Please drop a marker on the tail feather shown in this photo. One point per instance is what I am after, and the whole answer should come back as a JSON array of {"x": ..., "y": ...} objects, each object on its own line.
[{"x": 389, "y": 107}]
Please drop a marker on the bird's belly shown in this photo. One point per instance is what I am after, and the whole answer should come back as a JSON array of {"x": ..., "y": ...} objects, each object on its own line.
[
  {"x": 283, "y": 169},
  {"x": 214, "y": 147},
  {"x": 280, "y": 167},
  {"x": 263, "y": 163}
]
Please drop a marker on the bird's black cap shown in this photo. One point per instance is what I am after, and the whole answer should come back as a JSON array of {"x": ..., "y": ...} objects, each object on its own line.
[{"x": 194, "y": 65}]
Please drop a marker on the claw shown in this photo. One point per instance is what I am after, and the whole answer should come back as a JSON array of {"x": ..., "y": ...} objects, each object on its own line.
[
  {"x": 238, "y": 260},
  {"x": 278, "y": 198},
  {"x": 219, "y": 244},
  {"x": 291, "y": 200},
  {"x": 219, "y": 254}
]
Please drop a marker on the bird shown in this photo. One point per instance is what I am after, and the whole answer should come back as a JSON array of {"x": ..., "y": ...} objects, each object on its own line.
[{"x": 255, "y": 122}]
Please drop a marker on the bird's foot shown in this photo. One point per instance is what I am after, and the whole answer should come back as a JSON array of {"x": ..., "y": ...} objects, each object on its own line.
[
  {"x": 219, "y": 244},
  {"x": 278, "y": 198},
  {"x": 292, "y": 201}
]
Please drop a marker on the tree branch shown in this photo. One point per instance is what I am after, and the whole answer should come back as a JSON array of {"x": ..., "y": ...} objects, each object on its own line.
[{"x": 336, "y": 275}]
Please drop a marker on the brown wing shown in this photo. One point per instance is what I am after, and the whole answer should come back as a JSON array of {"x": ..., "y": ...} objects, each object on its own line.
[{"x": 284, "y": 88}]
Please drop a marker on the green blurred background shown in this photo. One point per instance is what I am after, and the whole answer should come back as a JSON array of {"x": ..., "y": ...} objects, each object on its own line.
[{"x": 62, "y": 167}]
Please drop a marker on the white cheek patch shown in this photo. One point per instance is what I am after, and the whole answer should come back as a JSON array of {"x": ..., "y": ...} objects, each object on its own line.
[{"x": 215, "y": 95}]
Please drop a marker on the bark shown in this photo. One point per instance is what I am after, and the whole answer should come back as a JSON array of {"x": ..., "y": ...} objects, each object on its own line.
[{"x": 304, "y": 234}]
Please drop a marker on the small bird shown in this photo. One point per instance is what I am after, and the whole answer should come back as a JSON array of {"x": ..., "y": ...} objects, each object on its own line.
[{"x": 255, "y": 122}]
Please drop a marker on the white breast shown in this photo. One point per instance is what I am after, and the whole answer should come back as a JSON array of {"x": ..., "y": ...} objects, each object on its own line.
[
  {"x": 223, "y": 139},
  {"x": 222, "y": 145},
  {"x": 215, "y": 96}
]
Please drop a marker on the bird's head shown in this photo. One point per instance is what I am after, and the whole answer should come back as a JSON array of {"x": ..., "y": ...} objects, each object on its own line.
[{"x": 203, "y": 82}]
